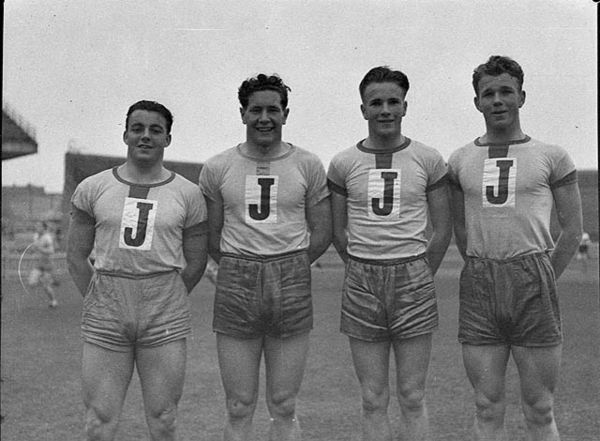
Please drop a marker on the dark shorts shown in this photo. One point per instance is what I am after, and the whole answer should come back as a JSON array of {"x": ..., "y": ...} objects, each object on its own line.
[
  {"x": 388, "y": 300},
  {"x": 509, "y": 302},
  {"x": 120, "y": 312},
  {"x": 265, "y": 296}
]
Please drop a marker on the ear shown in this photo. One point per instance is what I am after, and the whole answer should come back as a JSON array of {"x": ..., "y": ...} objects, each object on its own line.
[
  {"x": 522, "y": 98},
  {"x": 405, "y": 108},
  {"x": 125, "y": 136},
  {"x": 242, "y": 112},
  {"x": 286, "y": 112},
  {"x": 476, "y": 102},
  {"x": 363, "y": 111},
  {"x": 168, "y": 141}
]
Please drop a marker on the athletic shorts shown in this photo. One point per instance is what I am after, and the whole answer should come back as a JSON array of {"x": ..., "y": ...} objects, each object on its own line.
[
  {"x": 509, "y": 302},
  {"x": 121, "y": 312},
  {"x": 264, "y": 296},
  {"x": 388, "y": 299}
]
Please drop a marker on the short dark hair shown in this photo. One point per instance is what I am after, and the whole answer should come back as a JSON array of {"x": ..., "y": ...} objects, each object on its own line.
[
  {"x": 497, "y": 65},
  {"x": 263, "y": 82},
  {"x": 383, "y": 74},
  {"x": 151, "y": 106}
]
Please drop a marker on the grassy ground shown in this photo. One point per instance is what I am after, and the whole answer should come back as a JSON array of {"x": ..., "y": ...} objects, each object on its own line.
[{"x": 41, "y": 363}]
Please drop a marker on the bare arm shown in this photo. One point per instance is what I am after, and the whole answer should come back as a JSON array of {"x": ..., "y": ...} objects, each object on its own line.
[
  {"x": 568, "y": 208},
  {"x": 441, "y": 220},
  {"x": 195, "y": 247},
  {"x": 458, "y": 219},
  {"x": 318, "y": 218},
  {"x": 80, "y": 242},
  {"x": 215, "y": 225},
  {"x": 339, "y": 214}
]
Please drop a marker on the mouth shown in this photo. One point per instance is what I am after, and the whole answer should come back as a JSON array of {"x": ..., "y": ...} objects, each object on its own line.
[
  {"x": 144, "y": 146},
  {"x": 264, "y": 129}
]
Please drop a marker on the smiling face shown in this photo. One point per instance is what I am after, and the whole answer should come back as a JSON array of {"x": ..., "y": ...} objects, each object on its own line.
[
  {"x": 264, "y": 118},
  {"x": 146, "y": 137},
  {"x": 383, "y": 107},
  {"x": 499, "y": 99}
]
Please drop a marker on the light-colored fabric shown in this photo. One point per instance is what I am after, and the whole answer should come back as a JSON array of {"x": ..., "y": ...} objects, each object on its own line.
[
  {"x": 139, "y": 228},
  {"x": 264, "y": 203}
]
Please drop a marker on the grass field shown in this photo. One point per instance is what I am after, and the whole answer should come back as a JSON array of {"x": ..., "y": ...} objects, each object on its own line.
[{"x": 41, "y": 364}]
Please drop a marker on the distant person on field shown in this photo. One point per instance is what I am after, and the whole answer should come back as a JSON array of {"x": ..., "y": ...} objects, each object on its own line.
[
  {"x": 147, "y": 227},
  {"x": 43, "y": 271},
  {"x": 269, "y": 218},
  {"x": 504, "y": 186},
  {"x": 384, "y": 190}
]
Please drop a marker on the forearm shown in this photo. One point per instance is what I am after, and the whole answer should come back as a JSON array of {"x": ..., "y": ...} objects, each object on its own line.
[
  {"x": 565, "y": 248},
  {"x": 193, "y": 272},
  {"x": 81, "y": 271},
  {"x": 436, "y": 249},
  {"x": 340, "y": 242},
  {"x": 320, "y": 240}
]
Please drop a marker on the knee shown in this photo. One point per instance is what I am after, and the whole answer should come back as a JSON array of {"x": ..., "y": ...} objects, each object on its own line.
[
  {"x": 539, "y": 412},
  {"x": 164, "y": 420},
  {"x": 490, "y": 407},
  {"x": 375, "y": 399},
  {"x": 411, "y": 398},
  {"x": 282, "y": 405},
  {"x": 241, "y": 407},
  {"x": 98, "y": 424}
]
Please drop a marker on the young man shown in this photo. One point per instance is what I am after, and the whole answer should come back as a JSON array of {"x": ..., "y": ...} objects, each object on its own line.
[
  {"x": 269, "y": 219},
  {"x": 147, "y": 226},
  {"x": 382, "y": 191},
  {"x": 43, "y": 272},
  {"x": 504, "y": 185}
]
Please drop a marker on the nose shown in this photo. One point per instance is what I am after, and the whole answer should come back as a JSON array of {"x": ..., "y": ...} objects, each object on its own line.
[
  {"x": 146, "y": 134},
  {"x": 263, "y": 116},
  {"x": 385, "y": 108},
  {"x": 497, "y": 99}
]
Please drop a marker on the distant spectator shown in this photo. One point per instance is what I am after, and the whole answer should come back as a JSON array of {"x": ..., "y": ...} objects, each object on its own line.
[{"x": 43, "y": 272}]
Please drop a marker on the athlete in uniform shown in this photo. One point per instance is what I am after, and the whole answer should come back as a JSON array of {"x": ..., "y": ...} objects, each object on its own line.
[
  {"x": 382, "y": 190},
  {"x": 43, "y": 272},
  {"x": 269, "y": 219},
  {"x": 504, "y": 185},
  {"x": 147, "y": 226}
]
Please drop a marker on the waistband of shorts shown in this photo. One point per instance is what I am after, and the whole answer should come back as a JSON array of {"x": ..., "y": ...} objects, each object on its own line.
[
  {"x": 388, "y": 262},
  {"x": 134, "y": 276},
  {"x": 520, "y": 257},
  {"x": 266, "y": 258}
]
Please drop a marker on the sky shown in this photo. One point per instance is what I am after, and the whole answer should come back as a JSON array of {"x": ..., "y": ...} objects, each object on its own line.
[{"x": 72, "y": 69}]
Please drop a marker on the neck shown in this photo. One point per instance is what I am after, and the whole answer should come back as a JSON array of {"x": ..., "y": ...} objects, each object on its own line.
[
  {"x": 384, "y": 142},
  {"x": 269, "y": 151},
  {"x": 502, "y": 135},
  {"x": 140, "y": 174}
]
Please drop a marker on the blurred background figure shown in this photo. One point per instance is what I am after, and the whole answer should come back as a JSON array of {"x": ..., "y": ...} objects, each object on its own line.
[
  {"x": 42, "y": 273},
  {"x": 583, "y": 252}
]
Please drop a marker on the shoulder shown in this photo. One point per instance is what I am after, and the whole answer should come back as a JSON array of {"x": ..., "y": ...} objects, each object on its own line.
[
  {"x": 304, "y": 156},
  {"x": 424, "y": 150}
]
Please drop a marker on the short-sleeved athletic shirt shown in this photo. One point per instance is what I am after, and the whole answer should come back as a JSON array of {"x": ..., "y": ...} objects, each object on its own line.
[
  {"x": 264, "y": 202},
  {"x": 386, "y": 197},
  {"x": 139, "y": 228},
  {"x": 508, "y": 195}
]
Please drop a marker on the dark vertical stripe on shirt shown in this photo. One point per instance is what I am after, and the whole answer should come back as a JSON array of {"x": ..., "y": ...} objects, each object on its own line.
[
  {"x": 139, "y": 191},
  {"x": 383, "y": 160},
  {"x": 498, "y": 151}
]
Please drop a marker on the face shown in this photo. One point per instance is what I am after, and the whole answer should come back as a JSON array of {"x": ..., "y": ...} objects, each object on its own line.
[
  {"x": 264, "y": 118},
  {"x": 146, "y": 137},
  {"x": 384, "y": 107},
  {"x": 499, "y": 99}
]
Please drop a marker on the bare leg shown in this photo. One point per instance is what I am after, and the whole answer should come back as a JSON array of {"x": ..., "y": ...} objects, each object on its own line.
[
  {"x": 371, "y": 363},
  {"x": 162, "y": 372},
  {"x": 105, "y": 378},
  {"x": 538, "y": 371},
  {"x": 412, "y": 362},
  {"x": 486, "y": 370},
  {"x": 239, "y": 362},
  {"x": 285, "y": 360}
]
